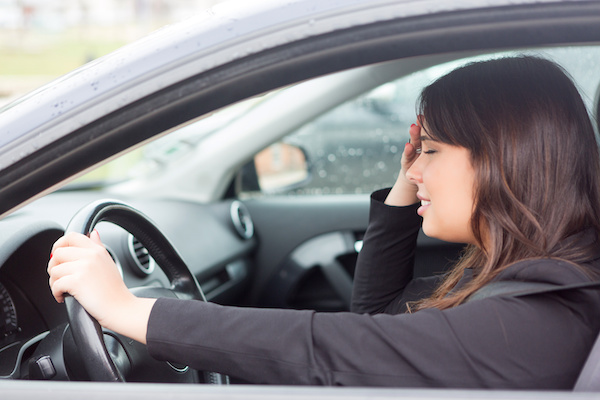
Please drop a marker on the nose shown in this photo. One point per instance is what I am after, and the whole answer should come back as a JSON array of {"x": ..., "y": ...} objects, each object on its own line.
[{"x": 413, "y": 174}]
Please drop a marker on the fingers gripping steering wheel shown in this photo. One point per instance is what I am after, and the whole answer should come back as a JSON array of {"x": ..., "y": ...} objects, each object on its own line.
[{"x": 87, "y": 333}]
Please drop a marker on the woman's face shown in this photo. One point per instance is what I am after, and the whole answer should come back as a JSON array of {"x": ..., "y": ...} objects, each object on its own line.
[{"x": 445, "y": 179}]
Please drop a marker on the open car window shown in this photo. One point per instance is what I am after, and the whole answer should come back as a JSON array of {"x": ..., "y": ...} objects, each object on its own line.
[
  {"x": 374, "y": 128},
  {"x": 312, "y": 160}
]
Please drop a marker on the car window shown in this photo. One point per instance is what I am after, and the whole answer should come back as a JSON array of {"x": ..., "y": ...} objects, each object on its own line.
[
  {"x": 353, "y": 148},
  {"x": 356, "y": 147}
]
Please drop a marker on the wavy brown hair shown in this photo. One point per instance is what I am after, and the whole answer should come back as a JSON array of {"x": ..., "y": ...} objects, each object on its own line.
[{"x": 536, "y": 161}]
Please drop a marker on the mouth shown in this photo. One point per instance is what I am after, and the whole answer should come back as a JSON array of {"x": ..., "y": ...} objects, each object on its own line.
[{"x": 424, "y": 205}]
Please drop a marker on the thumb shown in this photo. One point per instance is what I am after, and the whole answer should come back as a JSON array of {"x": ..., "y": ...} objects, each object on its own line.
[{"x": 95, "y": 236}]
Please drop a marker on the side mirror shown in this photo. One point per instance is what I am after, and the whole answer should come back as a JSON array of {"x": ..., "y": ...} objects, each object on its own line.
[{"x": 278, "y": 168}]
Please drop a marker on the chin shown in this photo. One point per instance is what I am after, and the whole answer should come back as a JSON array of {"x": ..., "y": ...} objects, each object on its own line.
[
  {"x": 444, "y": 234},
  {"x": 430, "y": 231}
]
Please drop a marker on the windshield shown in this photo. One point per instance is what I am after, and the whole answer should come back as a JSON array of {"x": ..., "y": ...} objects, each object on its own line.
[{"x": 161, "y": 152}]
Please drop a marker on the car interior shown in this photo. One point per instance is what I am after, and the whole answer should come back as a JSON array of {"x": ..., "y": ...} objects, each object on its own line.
[{"x": 255, "y": 226}]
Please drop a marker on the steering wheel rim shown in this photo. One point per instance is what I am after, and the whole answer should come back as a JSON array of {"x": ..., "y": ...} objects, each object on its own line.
[{"x": 86, "y": 331}]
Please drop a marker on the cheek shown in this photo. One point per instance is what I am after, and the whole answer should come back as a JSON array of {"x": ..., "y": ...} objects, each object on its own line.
[
  {"x": 460, "y": 199},
  {"x": 459, "y": 213},
  {"x": 452, "y": 205}
]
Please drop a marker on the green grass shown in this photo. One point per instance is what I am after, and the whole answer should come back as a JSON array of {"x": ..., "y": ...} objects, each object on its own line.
[{"x": 52, "y": 54}]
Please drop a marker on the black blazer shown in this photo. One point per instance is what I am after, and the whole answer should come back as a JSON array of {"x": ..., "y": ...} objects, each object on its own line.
[{"x": 538, "y": 341}]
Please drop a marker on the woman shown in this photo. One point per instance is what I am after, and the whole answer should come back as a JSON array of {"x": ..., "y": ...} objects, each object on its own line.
[{"x": 503, "y": 158}]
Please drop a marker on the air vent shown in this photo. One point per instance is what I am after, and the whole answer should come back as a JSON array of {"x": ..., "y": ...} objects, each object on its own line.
[
  {"x": 241, "y": 220},
  {"x": 144, "y": 264}
]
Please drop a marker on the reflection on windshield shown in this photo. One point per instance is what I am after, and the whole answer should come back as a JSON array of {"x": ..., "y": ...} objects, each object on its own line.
[{"x": 159, "y": 153}]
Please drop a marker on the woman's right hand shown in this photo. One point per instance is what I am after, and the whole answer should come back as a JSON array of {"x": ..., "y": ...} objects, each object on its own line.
[
  {"x": 404, "y": 192},
  {"x": 81, "y": 266}
]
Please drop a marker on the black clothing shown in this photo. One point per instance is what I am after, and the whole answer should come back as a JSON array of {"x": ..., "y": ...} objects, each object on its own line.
[{"x": 538, "y": 341}]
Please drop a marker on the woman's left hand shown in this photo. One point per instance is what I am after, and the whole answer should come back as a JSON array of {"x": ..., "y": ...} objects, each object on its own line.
[{"x": 404, "y": 192}]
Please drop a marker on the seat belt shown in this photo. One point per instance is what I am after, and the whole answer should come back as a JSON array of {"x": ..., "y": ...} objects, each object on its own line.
[
  {"x": 589, "y": 377},
  {"x": 513, "y": 288}
]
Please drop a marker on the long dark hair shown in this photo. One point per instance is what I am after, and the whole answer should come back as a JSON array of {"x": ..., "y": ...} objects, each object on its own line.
[{"x": 536, "y": 162}]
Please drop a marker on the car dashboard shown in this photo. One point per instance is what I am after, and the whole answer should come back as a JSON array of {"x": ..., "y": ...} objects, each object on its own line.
[{"x": 216, "y": 247}]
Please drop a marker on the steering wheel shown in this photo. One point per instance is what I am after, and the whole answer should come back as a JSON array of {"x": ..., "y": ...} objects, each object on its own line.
[{"x": 86, "y": 331}]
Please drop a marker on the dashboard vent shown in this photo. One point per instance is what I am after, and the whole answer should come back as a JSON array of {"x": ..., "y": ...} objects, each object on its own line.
[
  {"x": 240, "y": 216},
  {"x": 144, "y": 264}
]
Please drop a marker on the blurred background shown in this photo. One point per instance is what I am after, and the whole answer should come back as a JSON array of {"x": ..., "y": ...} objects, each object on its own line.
[{"x": 41, "y": 40}]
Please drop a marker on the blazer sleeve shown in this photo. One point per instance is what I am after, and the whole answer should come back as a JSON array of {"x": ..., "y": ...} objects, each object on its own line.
[
  {"x": 383, "y": 280},
  {"x": 497, "y": 342}
]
